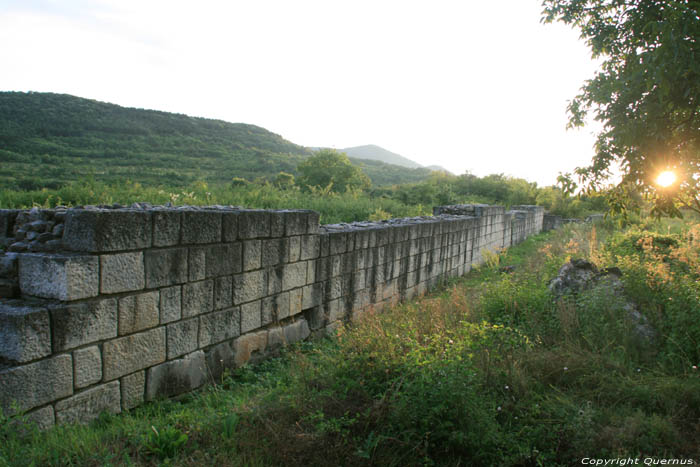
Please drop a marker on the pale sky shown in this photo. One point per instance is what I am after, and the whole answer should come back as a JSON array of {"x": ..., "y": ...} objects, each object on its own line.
[{"x": 471, "y": 86}]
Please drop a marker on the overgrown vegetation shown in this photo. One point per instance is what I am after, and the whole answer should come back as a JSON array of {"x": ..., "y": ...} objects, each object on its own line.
[{"x": 489, "y": 370}]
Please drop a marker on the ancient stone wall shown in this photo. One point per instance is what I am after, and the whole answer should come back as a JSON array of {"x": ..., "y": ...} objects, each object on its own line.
[{"x": 103, "y": 308}]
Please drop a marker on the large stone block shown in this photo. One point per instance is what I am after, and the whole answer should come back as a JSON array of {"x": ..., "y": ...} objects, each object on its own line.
[
  {"x": 295, "y": 301},
  {"x": 197, "y": 298},
  {"x": 170, "y": 304},
  {"x": 222, "y": 260},
  {"x": 310, "y": 247},
  {"x": 165, "y": 267},
  {"x": 176, "y": 376},
  {"x": 252, "y": 255},
  {"x": 311, "y": 296},
  {"x": 133, "y": 388},
  {"x": 166, "y": 227},
  {"x": 297, "y": 331},
  {"x": 64, "y": 277},
  {"x": 197, "y": 264},
  {"x": 223, "y": 292},
  {"x": 253, "y": 224},
  {"x": 249, "y": 286},
  {"x": 294, "y": 275},
  {"x": 230, "y": 226},
  {"x": 275, "y": 308},
  {"x": 219, "y": 326},
  {"x": 25, "y": 333},
  {"x": 277, "y": 220},
  {"x": 295, "y": 223},
  {"x": 78, "y": 324},
  {"x": 201, "y": 227},
  {"x": 248, "y": 347},
  {"x": 87, "y": 366},
  {"x": 182, "y": 337},
  {"x": 250, "y": 316},
  {"x": 273, "y": 251},
  {"x": 44, "y": 418},
  {"x": 139, "y": 312},
  {"x": 219, "y": 358},
  {"x": 98, "y": 231},
  {"x": 122, "y": 272},
  {"x": 132, "y": 353},
  {"x": 36, "y": 384},
  {"x": 87, "y": 405}
]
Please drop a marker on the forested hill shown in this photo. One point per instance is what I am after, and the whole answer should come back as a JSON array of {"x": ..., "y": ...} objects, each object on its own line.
[{"x": 49, "y": 139}]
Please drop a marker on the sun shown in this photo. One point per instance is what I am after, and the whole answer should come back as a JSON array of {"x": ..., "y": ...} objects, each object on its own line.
[{"x": 666, "y": 178}]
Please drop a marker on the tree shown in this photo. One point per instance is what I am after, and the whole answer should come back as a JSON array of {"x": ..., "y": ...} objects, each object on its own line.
[
  {"x": 646, "y": 94},
  {"x": 329, "y": 167}
]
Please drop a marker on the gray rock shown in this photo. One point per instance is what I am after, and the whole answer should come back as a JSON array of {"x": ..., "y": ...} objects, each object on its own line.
[
  {"x": 223, "y": 292},
  {"x": 25, "y": 333},
  {"x": 166, "y": 227},
  {"x": 223, "y": 260},
  {"x": 132, "y": 353},
  {"x": 182, "y": 337},
  {"x": 36, "y": 384},
  {"x": 63, "y": 277},
  {"x": 165, "y": 267},
  {"x": 250, "y": 316},
  {"x": 170, "y": 304},
  {"x": 197, "y": 298},
  {"x": 133, "y": 388},
  {"x": 201, "y": 227},
  {"x": 249, "y": 286},
  {"x": 253, "y": 224},
  {"x": 251, "y": 255},
  {"x": 230, "y": 226},
  {"x": 176, "y": 376},
  {"x": 219, "y": 326},
  {"x": 310, "y": 247},
  {"x": 249, "y": 346},
  {"x": 98, "y": 231},
  {"x": 87, "y": 366},
  {"x": 139, "y": 312},
  {"x": 219, "y": 358},
  {"x": 83, "y": 323},
  {"x": 44, "y": 418},
  {"x": 87, "y": 405},
  {"x": 123, "y": 272}
]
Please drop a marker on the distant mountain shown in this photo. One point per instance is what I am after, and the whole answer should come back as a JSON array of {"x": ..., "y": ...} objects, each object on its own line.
[
  {"x": 47, "y": 140},
  {"x": 438, "y": 168},
  {"x": 377, "y": 153}
]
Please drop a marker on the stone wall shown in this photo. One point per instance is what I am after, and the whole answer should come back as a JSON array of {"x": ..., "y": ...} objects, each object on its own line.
[{"x": 117, "y": 306}]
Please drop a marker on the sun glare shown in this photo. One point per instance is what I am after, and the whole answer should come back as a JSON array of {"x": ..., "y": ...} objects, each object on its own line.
[{"x": 666, "y": 178}]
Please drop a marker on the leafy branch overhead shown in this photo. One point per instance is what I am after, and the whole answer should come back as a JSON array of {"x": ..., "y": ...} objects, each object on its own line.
[{"x": 646, "y": 95}]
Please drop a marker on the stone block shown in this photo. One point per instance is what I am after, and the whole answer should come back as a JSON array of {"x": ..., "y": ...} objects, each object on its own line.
[
  {"x": 336, "y": 310},
  {"x": 36, "y": 384},
  {"x": 294, "y": 275},
  {"x": 324, "y": 245},
  {"x": 44, "y": 418},
  {"x": 139, "y": 312},
  {"x": 295, "y": 223},
  {"x": 222, "y": 260},
  {"x": 275, "y": 308},
  {"x": 79, "y": 324},
  {"x": 133, "y": 388},
  {"x": 176, "y": 376},
  {"x": 223, "y": 292},
  {"x": 311, "y": 271},
  {"x": 87, "y": 366},
  {"x": 252, "y": 255},
  {"x": 25, "y": 333},
  {"x": 249, "y": 346},
  {"x": 250, "y": 316},
  {"x": 295, "y": 301},
  {"x": 62, "y": 277},
  {"x": 219, "y": 358},
  {"x": 253, "y": 224},
  {"x": 311, "y": 296},
  {"x": 338, "y": 243},
  {"x": 197, "y": 298},
  {"x": 219, "y": 326},
  {"x": 297, "y": 331},
  {"x": 316, "y": 317},
  {"x": 123, "y": 272},
  {"x": 310, "y": 247},
  {"x": 99, "y": 231},
  {"x": 165, "y": 267},
  {"x": 230, "y": 226},
  {"x": 87, "y": 405},
  {"x": 293, "y": 251},
  {"x": 201, "y": 227},
  {"x": 273, "y": 251},
  {"x": 197, "y": 264},
  {"x": 312, "y": 222},
  {"x": 166, "y": 227},
  {"x": 132, "y": 353},
  {"x": 7, "y": 219},
  {"x": 249, "y": 286},
  {"x": 170, "y": 304},
  {"x": 277, "y": 220},
  {"x": 182, "y": 337}
]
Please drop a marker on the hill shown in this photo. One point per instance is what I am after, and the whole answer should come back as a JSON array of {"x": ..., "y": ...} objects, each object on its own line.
[
  {"x": 376, "y": 153},
  {"x": 47, "y": 140}
]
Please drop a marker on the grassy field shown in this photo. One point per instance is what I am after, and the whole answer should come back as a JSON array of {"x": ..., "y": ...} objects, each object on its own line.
[{"x": 487, "y": 370}]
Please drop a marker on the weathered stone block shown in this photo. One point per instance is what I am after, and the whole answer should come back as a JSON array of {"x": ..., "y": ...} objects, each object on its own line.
[
  {"x": 44, "y": 418},
  {"x": 98, "y": 231},
  {"x": 310, "y": 247},
  {"x": 138, "y": 312},
  {"x": 223, "y": 292},
  {"x": 166, "y": 227},
  {"x": 219, "y": 358},
  {"x": 312, "y": 222},
  {"x": 219, "y": 326},
  {"x": 36, "y": 384},
  {"x": 197, "y": 298},
  {"x": 249, "y": 346},
  {"x": 165, "y": 267},
  {"x": 297, "y": 331},
  {"x": 222, "y": 260},
  {"x": 132, "y": 353},
  {"x": 275, "y": 308},
  {"x": 336, "y": 310},
  {"x": 311, "y": 271},
  {"x": 338, "y": 243},
  {"x": 294, "y": 275},
  {"x": 182, "y": 337},
  {"x": 249, "y": 286},
  {"x": 197, "y": 264},
  {"x": 133, "y": 388},
  {"x": 295, "y": 223},
  {"x": 250, "y": 316},
  {"x": 122, "y": 272},
  {"x": 251, "y": 255},
  {"x": 230, "y": 226},
  {"x": 277, "y": 219},
  {"x": 63, "y": 277},
  {"x": 78, "y": 324},
  {"x": 87, "y": 405},
  {"x": 295, "y": 301},
  {"x": 170, "y": 304},
  {"x": 254, "y": 224},
  {"x": 201, "y": 227},
  {"x": 7, "y": 219},
  {"x": 273, "y": 251},
  {"x": 25, "y": 333},
  {"x": 87, "y": 366},
  {"x": 293, "y": 250},
  {"x": 311, "y": 296},
  {"x": 176, "y": 377}
]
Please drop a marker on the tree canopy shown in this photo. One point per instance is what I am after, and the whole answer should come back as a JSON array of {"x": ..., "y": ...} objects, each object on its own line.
[
  {"x": 646, "y": 95},
  {"x": 331, "y": 169}
]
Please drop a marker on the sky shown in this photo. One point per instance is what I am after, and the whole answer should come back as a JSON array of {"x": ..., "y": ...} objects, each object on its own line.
[{"x": 478, "y": 87}]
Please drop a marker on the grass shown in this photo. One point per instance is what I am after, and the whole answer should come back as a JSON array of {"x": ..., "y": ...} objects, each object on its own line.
[{"x": 487, "y": 370}]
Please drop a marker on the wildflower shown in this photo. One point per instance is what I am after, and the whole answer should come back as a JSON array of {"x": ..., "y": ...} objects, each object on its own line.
[
  {"x": 451, "y": 341},
  {"x": 507, "y": 387},
  {"x": 566, "y": 368},
  {"x": 638, "y": 370},
  {"x": 695, "y": 367},
  {"x": 498, "y": 408}
]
